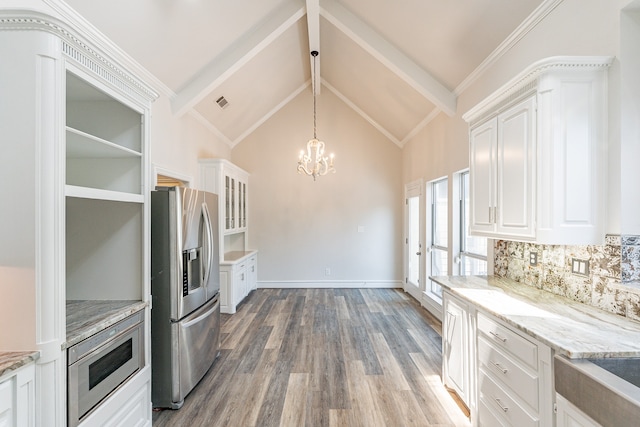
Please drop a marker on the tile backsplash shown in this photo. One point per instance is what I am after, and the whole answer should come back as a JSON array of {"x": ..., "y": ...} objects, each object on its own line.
[{"x": 611, "y": 281}]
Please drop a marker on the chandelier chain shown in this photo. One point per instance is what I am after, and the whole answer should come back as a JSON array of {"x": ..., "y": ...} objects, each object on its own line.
[
  {"x": 313, "y": 88},
  {"x": 313, "y": 162}
]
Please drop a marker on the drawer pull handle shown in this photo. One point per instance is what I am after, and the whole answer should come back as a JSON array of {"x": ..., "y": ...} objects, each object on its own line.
[
  {"x": 498, "y": 337},
  {"x": 497, "y": 365},
  {"x": 504, "y": 408}
]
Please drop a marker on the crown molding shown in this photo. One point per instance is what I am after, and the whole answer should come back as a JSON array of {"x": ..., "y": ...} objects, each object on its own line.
[
  {"x": 273, "y": 111},
  {"x": 528, "y": 80},
  {"x": 78, "y": 47},
  {"x": 432, "y": 115},
  {"x": 94, "y": 36},
  {"x": 523, "y": 29},
  {"x": 207, "y": 124},
  {"x": 364, "y": 115}
]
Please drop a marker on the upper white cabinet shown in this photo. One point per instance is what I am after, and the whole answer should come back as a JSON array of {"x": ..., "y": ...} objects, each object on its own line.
[
  {"x": 502, "y": 147},
  {"x": 538, "y": 154},
  {"x": 230, "y": 183}
]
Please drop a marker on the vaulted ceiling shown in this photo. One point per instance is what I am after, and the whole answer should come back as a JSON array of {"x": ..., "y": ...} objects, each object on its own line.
[{"x": 397, "y": 63}]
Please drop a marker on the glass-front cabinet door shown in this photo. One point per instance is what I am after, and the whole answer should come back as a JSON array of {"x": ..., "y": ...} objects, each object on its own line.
[
  {"x": 227, "y": 204},
  {"x": 235, "y": 203}
]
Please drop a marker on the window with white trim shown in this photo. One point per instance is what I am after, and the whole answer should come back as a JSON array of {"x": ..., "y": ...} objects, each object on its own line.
[
  {"x": 439, "y": 225},
  {"x": 473, "y": 249}
]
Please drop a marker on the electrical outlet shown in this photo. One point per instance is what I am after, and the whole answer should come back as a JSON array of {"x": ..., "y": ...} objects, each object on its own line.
[
  {"x": 533, "y": 259},
  {"x": 327, "y": 271},
  {"x": 580, "y": 266}
]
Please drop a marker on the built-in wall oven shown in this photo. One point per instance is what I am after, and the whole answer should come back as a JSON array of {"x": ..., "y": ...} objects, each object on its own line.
[{"x": 100, "y": 364}]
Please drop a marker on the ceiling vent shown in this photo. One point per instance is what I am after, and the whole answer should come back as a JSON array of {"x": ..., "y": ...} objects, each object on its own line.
[{"x": 222, "y": 102}]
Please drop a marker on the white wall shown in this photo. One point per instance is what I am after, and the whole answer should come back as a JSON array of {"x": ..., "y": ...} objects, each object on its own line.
[
  {"x": 302, "y": 227},
  {"x": 178, "y": 142}
]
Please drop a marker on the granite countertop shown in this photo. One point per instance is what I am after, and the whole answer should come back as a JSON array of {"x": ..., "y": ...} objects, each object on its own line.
[
  {"x": 12, "y": 360},
  {"x": 88, "y": 317},
  {"x": 570, "y": 328},
  {"x": 236, "y": 256}
]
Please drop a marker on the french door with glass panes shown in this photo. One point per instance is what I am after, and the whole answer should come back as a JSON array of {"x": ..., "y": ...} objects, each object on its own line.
[{"x": 414, "y": 226}]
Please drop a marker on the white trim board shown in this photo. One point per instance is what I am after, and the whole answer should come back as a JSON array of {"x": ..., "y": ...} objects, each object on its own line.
[{"x": 329, "y": 284}]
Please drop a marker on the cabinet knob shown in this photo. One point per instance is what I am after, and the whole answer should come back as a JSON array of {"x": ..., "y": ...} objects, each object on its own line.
[{"x": 418, "y": 253}]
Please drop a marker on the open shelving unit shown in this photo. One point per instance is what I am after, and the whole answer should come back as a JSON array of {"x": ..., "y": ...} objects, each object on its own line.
[{"x": 105, "y": 194}]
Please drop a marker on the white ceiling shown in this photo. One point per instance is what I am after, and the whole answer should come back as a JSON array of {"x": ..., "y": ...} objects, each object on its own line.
[{"x": 397, "y": 63}]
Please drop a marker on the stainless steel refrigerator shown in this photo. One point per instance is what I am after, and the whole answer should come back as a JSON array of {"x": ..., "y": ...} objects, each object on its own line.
[{"x": 185, "y": 288}]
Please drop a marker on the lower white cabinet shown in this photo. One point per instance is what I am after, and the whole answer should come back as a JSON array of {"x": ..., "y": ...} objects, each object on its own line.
[
  {"x": 514, "y": 375},
  {"x": 17, "y": 398},
  {"x": 503, "y": 375},
  {"x": 457, "y": 347},
  {"x": 127, "y": 407},
  {"x": 237, "y": 279},
  {"x": 570, "y": 416}
]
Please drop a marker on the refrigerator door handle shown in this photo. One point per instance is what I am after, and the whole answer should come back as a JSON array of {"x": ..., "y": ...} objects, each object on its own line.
[
  {"x": 209, "y": 245},
  {"x": 199, "y": 317}
]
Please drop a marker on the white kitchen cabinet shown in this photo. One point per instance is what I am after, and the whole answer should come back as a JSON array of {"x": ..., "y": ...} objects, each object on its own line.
[
  {"x": 502, "y": 160},
  {"x": 538, "y": 154},
  {"x": 570, "y": 416},
  {"x": 230, "y": 183},
  {"x": 252, "y": 273},
  {"x": 457, "y": 353},
  {"x": 504, "y": 376},
  {"x": 237, "y": 279},
  {"x": 75, "y": 129},
  {"x": 514, "y": 376},
  {"x": 17, "y": 398},
  {"x": 128, "y": 407}
]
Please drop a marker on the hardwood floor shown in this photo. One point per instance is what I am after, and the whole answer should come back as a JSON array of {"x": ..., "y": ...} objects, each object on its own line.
[{"x": 323, "y": 357}]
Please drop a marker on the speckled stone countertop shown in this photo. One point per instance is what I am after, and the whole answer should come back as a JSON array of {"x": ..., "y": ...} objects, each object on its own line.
[
  {"x": 236, "y": 256},
  {"x": 12, "y": 360},
  {"x": 88, "y": 317},
  {"x": 570, "y": 328}
]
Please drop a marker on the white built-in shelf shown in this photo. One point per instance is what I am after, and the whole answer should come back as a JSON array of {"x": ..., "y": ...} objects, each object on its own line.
[
  {"x": 99, "y": 194},
  {"x": 82, "y": 145}
]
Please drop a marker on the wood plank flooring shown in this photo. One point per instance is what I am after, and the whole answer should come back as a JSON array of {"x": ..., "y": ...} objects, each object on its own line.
[{"x": 323, "y": 357}]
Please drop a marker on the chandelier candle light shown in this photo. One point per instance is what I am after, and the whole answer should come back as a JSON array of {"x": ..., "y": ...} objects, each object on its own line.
[{"x": 314, "y": 162}]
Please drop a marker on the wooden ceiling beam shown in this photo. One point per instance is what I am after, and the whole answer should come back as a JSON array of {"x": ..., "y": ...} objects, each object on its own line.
[
  {"x": 237, "y": 55},
  {"x": 313, "y": 27},
  {"x": 389, "y": 55}
]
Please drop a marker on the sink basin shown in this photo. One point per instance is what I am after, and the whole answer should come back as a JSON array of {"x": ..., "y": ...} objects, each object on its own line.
[
  {"x": 626, "y": 368},
  {"x": 607, "y": 390}
]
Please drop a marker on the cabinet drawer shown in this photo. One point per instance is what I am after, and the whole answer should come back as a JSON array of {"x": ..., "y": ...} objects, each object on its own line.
[
  {"x": 498, "y": 400},
  {"x": 486, "y": 418},
  {"x": 511, "y": 374},
  {"x": 508, "y": 340}
]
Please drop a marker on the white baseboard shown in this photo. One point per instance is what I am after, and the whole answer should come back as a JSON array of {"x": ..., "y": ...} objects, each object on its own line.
[
  {"x": 432, "y": 306},
  {"x": 329, "y": 284}
]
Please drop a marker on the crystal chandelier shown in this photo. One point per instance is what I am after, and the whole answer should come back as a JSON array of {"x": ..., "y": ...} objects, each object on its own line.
[{"x": 314, "y": 162}]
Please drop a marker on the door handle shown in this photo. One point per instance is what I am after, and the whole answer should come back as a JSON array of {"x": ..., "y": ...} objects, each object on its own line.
[{"x": 208, "y": 230}]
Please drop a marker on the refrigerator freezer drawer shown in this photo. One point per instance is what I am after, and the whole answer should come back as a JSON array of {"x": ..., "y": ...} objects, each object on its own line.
[{"x": 196, "y": 340}]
